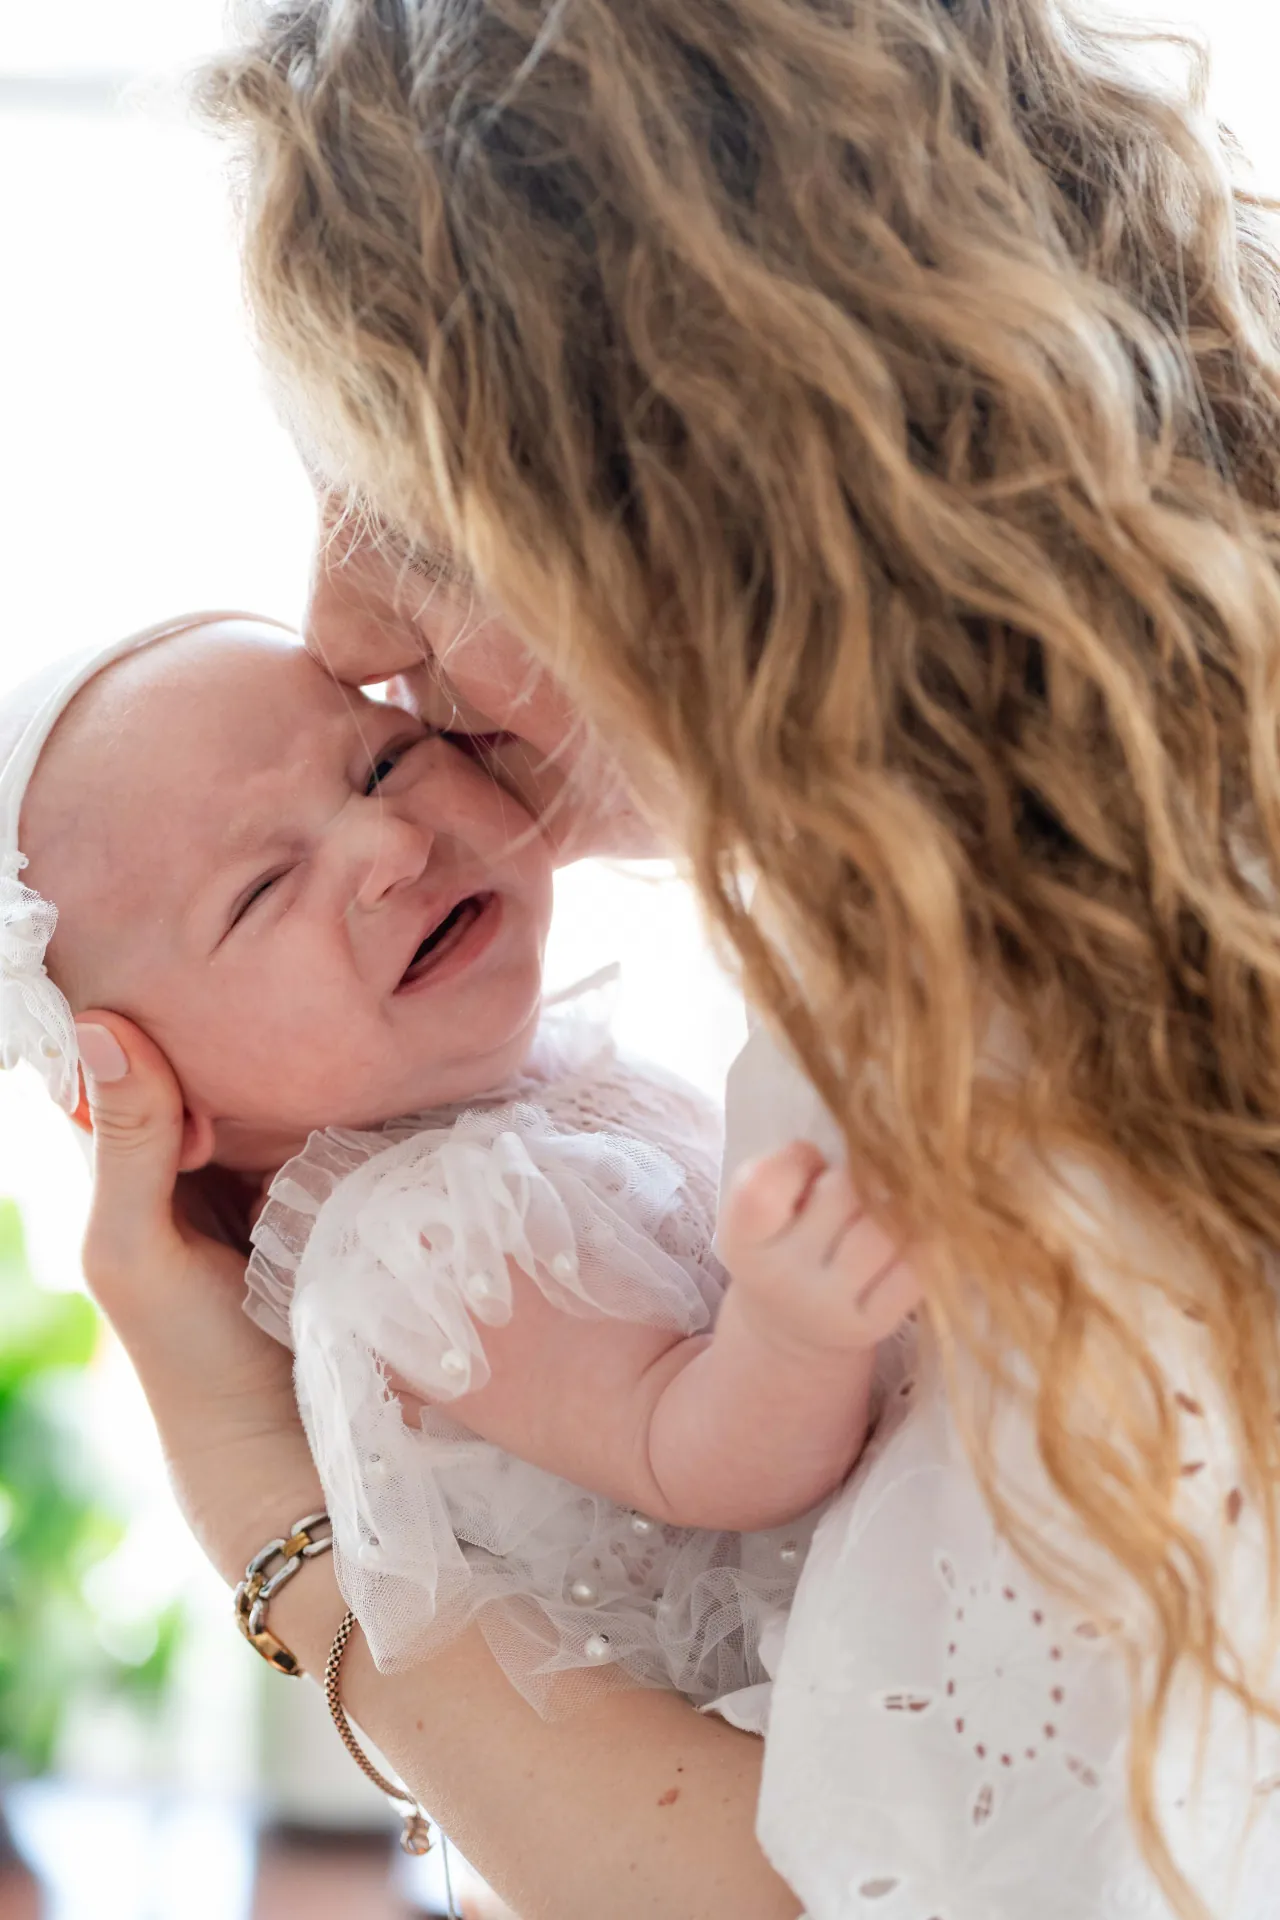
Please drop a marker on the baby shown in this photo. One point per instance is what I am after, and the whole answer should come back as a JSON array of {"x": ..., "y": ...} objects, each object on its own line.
[{"x": 487, "y": 1237}]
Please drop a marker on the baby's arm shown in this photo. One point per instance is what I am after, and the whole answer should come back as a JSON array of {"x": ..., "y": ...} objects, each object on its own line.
[
  {"x": 743, "y": 1429},
  {"x": 769, "y": 1417}
]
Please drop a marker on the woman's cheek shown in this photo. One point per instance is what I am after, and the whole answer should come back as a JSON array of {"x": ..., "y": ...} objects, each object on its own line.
[
  {"x": 529, "y": 777},
  {"x": 426, "y": 692}
]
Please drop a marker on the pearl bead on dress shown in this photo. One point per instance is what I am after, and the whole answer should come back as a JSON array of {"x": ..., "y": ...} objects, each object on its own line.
[
  {"x": 642, "y": 1525},
  {"x": 584, "y": 1593},
  {"x": 454, "y": 1363},
  {"x": 788, "y": 1553},
  {"x": 479, "y": 1288},
  {"x": 598, "y": 1649},
  {"x": 377, "y": 1468},
  {"x": 563, "y": 1266}
]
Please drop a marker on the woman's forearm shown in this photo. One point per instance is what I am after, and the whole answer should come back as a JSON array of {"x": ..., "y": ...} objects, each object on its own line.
[{"x": 633, "y": 1807}]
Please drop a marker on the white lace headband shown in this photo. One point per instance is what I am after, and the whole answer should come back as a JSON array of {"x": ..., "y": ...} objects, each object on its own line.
[{"x": 36, "y": 1022}]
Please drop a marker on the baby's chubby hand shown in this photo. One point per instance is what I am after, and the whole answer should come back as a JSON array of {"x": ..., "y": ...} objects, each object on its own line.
[{"x": 808, "y": 1262}]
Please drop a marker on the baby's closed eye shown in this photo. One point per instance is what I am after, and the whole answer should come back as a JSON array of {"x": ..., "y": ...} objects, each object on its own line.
[{"x": 256, "y": 892}]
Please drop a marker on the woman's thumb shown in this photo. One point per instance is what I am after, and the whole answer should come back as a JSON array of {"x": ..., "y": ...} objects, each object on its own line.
[{"x": 135, "y": 1108}]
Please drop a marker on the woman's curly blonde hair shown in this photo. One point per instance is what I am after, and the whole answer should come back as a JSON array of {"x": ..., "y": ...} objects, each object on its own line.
[{"x": 873, "y": 407}]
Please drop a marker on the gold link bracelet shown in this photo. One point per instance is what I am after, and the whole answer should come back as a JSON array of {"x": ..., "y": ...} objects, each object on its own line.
[{"x": 271, "y": 1568}]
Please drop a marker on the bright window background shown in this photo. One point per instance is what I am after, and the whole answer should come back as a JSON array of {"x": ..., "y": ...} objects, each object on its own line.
[{"x": 143, "y": 473}]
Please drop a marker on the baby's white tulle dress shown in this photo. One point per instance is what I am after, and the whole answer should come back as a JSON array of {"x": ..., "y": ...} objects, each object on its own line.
[{"x": 389, "y": 1249}]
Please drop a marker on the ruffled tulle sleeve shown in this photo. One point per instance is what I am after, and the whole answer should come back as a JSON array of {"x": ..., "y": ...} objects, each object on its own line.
[
  {"x": 376, "y": 1254},
  {"x": 407, "y": 1245}
]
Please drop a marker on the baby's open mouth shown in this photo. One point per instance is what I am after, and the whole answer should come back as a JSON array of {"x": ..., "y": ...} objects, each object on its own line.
[{"x": 445, "y": 936}]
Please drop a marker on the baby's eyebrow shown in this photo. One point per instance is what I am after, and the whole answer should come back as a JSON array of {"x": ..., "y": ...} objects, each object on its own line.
[
  {"x": 251, "y": 837},
  {"x": 246, "y": 832},
  {"x": 273, "y": 780},
  {"x": 250, "y": 843}
]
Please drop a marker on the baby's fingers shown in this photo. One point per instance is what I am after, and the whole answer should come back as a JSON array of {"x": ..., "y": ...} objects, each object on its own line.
[
  {"x": 886, "y": 1298},
  {"x": 765, "y": 1198}
]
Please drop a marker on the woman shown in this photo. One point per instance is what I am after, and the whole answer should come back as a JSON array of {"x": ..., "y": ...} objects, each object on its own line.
[{"x": 869, "y": 413}]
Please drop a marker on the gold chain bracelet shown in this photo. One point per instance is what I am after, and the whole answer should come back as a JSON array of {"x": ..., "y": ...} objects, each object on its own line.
[{"x": 416, "y": 1835}]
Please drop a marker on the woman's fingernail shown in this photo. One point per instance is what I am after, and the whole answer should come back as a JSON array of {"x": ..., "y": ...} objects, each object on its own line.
[{"x": 101, "y": 1055}]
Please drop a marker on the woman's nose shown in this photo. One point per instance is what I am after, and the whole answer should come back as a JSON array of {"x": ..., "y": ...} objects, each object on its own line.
[
  {"x": 353, "y": 626},
  {"x": 430, "y": 694},
  {"x": 386, "y": 852}
]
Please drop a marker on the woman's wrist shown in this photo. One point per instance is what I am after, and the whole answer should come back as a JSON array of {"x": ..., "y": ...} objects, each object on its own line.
[
  {"x": 307, "y": 1608},
  {"x": 306, "y": 1613},
  {"x": 240, "y": 1493}
]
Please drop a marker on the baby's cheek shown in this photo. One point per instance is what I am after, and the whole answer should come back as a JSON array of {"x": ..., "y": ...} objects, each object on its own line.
[{"x": 261, "y": 1065}]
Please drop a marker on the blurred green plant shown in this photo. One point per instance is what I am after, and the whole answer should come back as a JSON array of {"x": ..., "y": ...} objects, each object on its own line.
[{"x": 54, "y": 1524}]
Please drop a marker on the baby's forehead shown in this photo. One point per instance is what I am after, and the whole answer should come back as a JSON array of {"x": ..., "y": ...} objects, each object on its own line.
[
  {"x": 227, "y": 661},
  {"x": 194, "y": 714},
  {"x": 152, "y": 763},
  {"x": 213, "y": 697}
]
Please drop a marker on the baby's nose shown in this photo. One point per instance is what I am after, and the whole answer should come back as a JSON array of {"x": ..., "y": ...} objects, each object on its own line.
[{"x": 393, "y": 852}]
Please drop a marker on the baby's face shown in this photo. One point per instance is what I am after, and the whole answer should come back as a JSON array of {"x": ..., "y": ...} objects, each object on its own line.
[{"x": 323, "y": 914}]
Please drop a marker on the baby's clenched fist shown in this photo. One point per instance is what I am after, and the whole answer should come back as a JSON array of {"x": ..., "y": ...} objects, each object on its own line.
[{"x": 814, "y": 1265}]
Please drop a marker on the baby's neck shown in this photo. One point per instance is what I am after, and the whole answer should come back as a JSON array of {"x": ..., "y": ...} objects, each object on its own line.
[{"x": 257, "y": 1153}]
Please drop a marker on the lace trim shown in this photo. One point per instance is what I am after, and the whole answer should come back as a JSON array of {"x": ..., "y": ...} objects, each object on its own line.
[{"x": 36, "y": 1023}]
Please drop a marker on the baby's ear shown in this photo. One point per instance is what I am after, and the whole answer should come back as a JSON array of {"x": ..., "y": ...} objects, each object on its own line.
[{"x": 197, "y": 1142}]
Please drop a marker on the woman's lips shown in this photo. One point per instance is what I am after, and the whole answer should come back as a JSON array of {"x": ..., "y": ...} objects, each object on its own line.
[
  {"x": 456, "y": 940},
  {"x": 479, "y": 746}
]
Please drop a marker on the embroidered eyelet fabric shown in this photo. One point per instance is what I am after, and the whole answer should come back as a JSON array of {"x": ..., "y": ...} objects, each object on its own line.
[
  {"x": 389, "y": 1249},
  {"x": 948, "y": 1740}
]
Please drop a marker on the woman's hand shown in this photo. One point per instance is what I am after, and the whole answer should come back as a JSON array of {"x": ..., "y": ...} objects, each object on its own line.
[
  {"x": 221, "y": 1390},
  {"x": 374, "y": 617}
]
